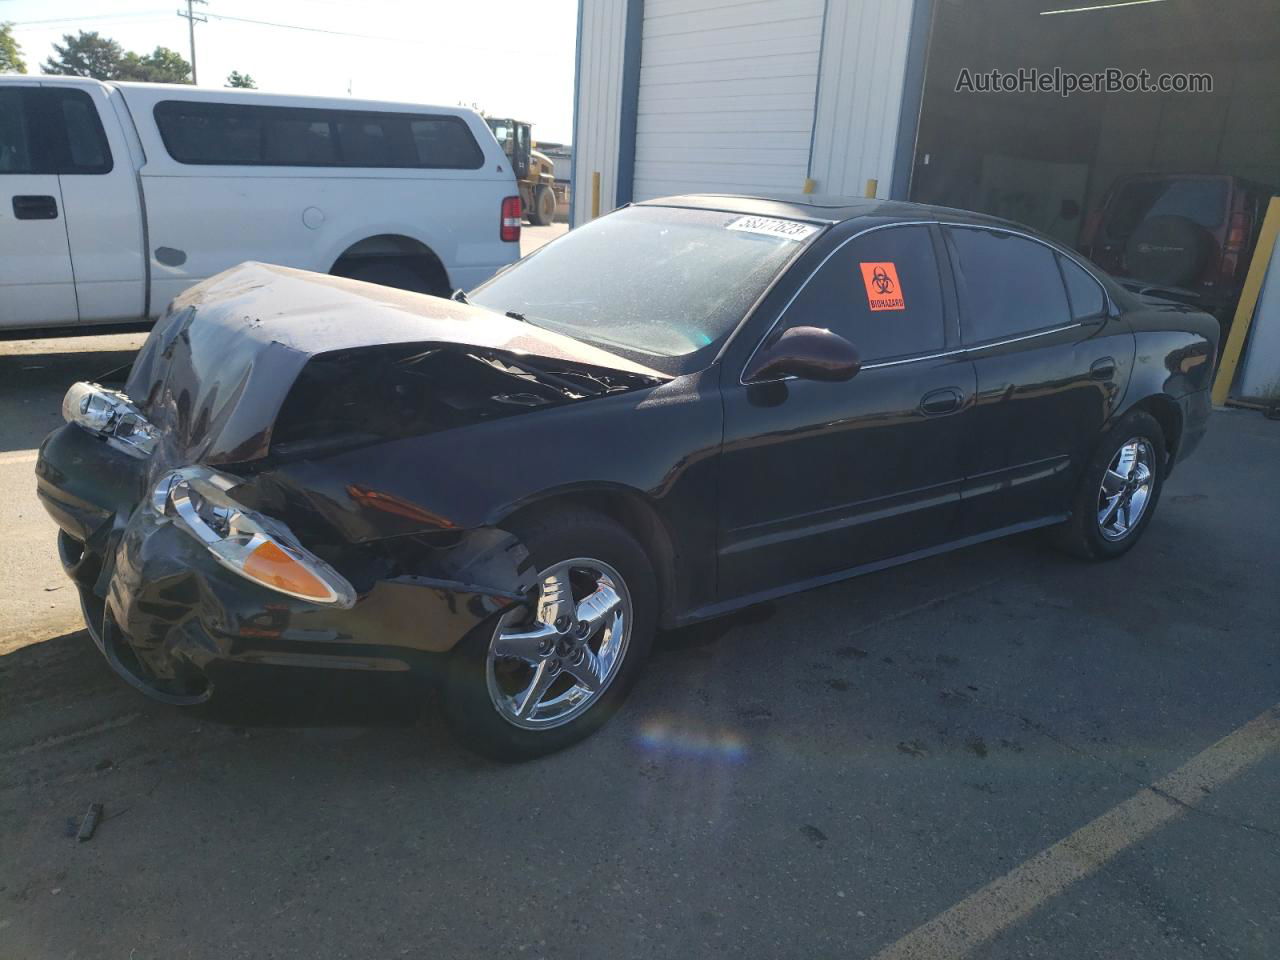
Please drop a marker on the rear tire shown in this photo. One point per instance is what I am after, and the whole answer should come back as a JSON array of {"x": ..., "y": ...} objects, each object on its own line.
[
  {"x": 483, "y": 689},
  {"x": 1118, "y": 493},
  {"x": 544, "y": 207}
]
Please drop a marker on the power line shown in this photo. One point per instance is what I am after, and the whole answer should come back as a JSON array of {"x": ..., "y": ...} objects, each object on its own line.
[
  {"x": 296, "y": 26},
  {"x": 89, "y": 17}
]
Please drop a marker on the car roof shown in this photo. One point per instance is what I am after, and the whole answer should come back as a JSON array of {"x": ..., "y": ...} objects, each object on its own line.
[{"x": 830, "y": 209}]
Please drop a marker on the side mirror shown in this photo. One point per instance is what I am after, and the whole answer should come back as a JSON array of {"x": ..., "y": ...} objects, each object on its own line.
[{"x": 806, "y": 353}]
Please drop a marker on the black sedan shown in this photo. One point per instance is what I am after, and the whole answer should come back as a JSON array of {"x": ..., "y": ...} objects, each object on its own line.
[{"x": 680, "y": 409}]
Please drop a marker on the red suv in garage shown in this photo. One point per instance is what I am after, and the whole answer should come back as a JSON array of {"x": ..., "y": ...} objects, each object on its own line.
[{"x": 1193, "y": 233}]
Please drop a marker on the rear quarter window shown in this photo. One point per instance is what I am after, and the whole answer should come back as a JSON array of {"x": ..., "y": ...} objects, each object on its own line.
[{"x": 236, "y": 134}]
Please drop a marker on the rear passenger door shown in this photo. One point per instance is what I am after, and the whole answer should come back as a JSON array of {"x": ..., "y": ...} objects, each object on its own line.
[
  {"x": 37, "y": 287},
  {"x": 1050, "y": 364}
]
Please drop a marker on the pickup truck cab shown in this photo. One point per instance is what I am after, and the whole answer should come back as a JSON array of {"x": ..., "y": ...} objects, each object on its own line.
[{"x": 116, "y": 197}]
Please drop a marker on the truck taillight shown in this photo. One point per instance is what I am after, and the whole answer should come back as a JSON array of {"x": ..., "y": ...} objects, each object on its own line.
[
  {"x": 1233, "y": 246},
  {"x": 1089, "y": 235},
  {"x": 510, "y": 231},
  {"x": 1238, "y": 232}
]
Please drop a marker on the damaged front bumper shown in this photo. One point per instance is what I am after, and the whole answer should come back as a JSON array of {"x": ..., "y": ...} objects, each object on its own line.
[{"x": 174, "y": 622}]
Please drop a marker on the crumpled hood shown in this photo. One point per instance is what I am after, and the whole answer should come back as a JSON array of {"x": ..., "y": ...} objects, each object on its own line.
[{"x": 216, "y": 369}]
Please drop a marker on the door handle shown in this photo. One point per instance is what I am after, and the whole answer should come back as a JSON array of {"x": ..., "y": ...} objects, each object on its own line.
[
  {"x": 939, "y": 402},
  {"x": 35, "y": 208},
  {"x": 1104, "y": 369}
]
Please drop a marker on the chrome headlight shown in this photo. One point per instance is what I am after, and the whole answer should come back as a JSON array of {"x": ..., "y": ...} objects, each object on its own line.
[
  {"x": 250, "y": 544},
  {"x": 109, "y": 414}
]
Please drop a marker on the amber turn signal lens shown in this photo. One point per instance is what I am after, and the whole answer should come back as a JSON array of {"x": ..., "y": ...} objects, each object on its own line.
[{"x": 270, "y": 565}]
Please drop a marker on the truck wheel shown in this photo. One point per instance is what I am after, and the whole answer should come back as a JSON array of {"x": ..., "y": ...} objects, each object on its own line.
[
  {"x": 1118, "y": 492},
  {"x": 540, "y": 680},
  {"x": 544, "y": 207}
]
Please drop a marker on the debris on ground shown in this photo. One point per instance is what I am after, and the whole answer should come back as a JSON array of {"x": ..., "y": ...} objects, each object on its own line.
[{"x": 90, "y": 822}]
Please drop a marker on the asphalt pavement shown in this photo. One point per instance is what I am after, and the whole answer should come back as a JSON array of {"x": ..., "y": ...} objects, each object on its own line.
[{"x": 1000, "y": 753}]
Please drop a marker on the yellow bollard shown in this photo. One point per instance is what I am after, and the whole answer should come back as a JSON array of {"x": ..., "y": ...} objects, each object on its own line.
[
  {"x": 595, "y": 194},
  {"x": 873, "y": 185},
  {"x": 1248, "y": 300}
]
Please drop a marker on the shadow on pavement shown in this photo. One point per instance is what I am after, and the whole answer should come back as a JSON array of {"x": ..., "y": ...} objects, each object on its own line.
[{"x": 33, "y": 386}]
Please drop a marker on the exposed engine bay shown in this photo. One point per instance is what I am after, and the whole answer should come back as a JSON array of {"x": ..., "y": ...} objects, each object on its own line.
[{"x": 368, "y": 394}]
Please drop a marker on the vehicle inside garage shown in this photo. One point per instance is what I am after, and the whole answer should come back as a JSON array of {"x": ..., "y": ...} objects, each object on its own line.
[{"x": 1168, "y": 188}]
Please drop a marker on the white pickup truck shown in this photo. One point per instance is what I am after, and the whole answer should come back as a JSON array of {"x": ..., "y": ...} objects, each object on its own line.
[{"x": 118, "y": 196}]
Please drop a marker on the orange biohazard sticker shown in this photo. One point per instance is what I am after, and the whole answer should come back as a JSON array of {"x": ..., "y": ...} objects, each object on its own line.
[{"x": 883, "y": 291}]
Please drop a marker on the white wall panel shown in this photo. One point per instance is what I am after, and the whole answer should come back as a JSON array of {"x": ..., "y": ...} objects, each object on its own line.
[
  {"x": 599, "y": 103},
  {"x": 726, "y": 95},
  {"x": 860, "y": 98}
]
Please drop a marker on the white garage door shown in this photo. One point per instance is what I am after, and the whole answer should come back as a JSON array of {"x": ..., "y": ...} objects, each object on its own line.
[{"x": 726, "y": 96}]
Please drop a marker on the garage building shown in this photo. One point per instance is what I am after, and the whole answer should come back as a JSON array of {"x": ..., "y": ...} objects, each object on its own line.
[{"x": 884, "y": 98}]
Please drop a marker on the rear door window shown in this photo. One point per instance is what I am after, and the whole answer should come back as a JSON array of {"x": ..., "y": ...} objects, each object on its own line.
[
  {"x": 881, "y": 292},
  {"x": 79, "y": 139},
  {"x": 1008, "y": 285},
  {"x": 16, "y": 151}
]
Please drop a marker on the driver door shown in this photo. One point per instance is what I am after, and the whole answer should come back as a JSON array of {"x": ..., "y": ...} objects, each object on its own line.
[{"x": 818, "y": 479}]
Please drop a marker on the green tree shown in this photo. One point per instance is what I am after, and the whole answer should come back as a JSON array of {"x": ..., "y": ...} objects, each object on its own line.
[
  {"x": 160, "y": 66},
  {"x": 10, "y": 53},
  {"x": 237, "y": 79},
  {"x": 86, "y": 54}
]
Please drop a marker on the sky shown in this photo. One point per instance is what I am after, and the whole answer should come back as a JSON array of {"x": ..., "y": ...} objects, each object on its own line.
[{"x": 511, "y": 58}]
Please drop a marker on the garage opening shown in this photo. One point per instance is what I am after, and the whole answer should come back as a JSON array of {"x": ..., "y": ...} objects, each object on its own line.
[{"x": 1167, "y": 187}]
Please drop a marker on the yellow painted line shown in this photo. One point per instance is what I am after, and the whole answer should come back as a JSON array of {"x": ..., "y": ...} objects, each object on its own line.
[
  {"x": 982, "y": 915},
  {"x": 1248, "y": 301},
  {"x": 18, "y": 456}
]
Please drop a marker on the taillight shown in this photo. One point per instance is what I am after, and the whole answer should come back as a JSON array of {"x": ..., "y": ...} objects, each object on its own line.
[
  {"x": 1233, "y": 246},
  {"x": 511, "y": 213},
  {"x": 1238, "y": 232}
]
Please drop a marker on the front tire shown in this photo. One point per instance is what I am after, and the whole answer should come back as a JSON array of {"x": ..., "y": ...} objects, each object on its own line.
[
  {"x": 1118, "y": 493},
  {"x": 541, "y": 680}
]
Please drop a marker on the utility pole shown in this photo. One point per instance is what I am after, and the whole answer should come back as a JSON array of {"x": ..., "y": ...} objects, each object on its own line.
[{"x": 192, "y": 19}]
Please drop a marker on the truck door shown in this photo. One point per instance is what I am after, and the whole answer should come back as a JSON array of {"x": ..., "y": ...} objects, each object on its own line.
[
  {"x": 37, "y": 287},
  {"x": 102, "y": 208}
]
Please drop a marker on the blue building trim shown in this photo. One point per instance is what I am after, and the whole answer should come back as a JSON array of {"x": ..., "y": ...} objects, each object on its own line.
[
  {"x": 912, "y": 98},
  {"x": 577, "y": 80},
  {"x": 630, "y": 108}
]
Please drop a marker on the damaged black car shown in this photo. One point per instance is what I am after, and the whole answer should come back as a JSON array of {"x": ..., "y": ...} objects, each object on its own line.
[{"x": 683, "y": 408}]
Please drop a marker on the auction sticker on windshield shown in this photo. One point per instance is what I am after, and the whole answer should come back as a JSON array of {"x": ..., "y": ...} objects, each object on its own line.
[
  {"x": 883, "y": 291},
  {"x": 772, "y": 227}
]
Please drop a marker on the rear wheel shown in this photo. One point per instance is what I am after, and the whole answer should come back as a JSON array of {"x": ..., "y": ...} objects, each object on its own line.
[
  {"x": 1118, "y": 494},
  {"x": 543, "y": 679},
  {"x": 544, "y": 207},
  {"x": 398, "y": 272}
]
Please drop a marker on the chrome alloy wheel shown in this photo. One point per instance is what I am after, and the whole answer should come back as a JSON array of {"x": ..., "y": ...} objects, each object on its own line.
[
  {"x": 546, "y": 671},
  {"x": 1126, "y": 489}
]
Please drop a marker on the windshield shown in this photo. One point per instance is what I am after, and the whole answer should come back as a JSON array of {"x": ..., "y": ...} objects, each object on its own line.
[{"x": 663, "y": 286}]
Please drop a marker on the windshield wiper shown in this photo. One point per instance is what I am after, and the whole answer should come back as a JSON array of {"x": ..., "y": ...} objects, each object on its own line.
[
  {"x": 459, "y": 296},
  {"x": 516, "y": 316}
]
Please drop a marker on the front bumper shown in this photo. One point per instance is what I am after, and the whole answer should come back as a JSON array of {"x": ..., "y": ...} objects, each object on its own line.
[{"x": 174, "y": 623}]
